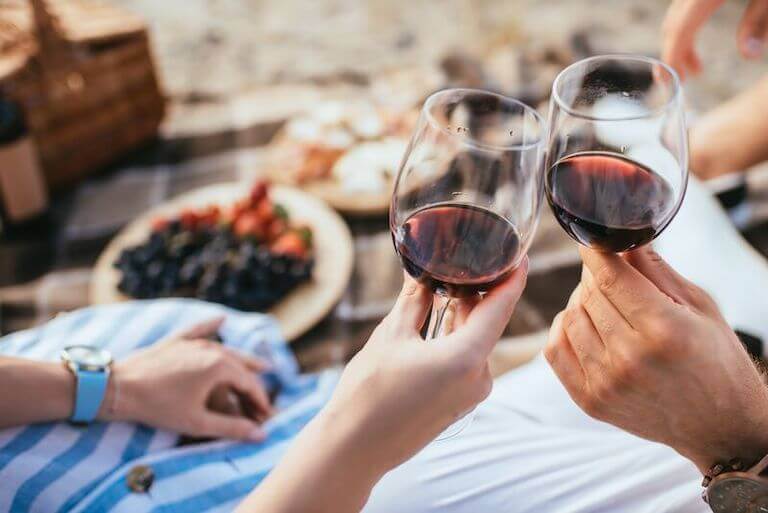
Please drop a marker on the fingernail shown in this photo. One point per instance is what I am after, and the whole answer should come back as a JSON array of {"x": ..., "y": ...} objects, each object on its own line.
[
  {"x": 257, "y": 435},
  {"x": 754, "y": 47}
]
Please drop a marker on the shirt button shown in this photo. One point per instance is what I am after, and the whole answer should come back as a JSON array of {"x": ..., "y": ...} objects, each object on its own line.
[{"x": 140, "y": 478}]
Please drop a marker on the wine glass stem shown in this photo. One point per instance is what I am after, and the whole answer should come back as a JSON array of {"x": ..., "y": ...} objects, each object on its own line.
[
  {"x": 441, "y": 323},
  {"x": 437, "y": 320}
]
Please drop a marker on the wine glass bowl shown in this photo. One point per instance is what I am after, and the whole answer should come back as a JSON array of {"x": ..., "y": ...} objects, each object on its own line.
[
  {"x": 617, "y": 163},
  {"x": 468, "y": 193},
  {"x": 467, "y": 197}
]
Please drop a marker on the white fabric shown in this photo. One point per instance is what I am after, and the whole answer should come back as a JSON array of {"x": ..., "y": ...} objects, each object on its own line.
[
  {"x": 531, "y": 450},
  {"x": 702, "y": 244}
]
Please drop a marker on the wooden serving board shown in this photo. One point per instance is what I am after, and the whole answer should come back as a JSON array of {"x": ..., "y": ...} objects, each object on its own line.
[
  {"x": 298, "y": 311},
  {"x": 350, "y": 203}
]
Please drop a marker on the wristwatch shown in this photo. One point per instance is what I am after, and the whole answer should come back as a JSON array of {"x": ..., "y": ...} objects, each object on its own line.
[
  {"x": 730, "y": 489},
  {"x": 91, "y": 366}
]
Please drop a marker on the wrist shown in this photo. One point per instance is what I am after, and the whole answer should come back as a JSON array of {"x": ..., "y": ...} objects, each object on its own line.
[
  {"x": 746, "y": 441},
  {"x": 349, "y": 440},
  {"x": 61, "y": 385},
  {"x": 116, "y": 405}
]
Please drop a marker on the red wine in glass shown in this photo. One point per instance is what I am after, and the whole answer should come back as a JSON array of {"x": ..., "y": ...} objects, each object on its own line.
[
  {"x": 457, "y": 249},
  {"x": 607, "y": 201}
]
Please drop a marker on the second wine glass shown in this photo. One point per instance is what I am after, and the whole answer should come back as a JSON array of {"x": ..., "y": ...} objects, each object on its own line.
[
  {"x": 467, "y": 197},
  {"x": 618, "y": 150}
]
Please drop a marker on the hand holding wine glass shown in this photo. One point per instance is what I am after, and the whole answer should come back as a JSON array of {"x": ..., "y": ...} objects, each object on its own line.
[{"x": 467, "y": 196}]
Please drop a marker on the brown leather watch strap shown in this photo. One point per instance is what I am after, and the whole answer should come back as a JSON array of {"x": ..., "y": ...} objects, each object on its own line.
[
  {"x": 733, "y": 488},
  {"x": 715, "y": 470}
]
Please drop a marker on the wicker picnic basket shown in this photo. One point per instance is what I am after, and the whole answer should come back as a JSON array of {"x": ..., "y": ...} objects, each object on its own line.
[{"x": 84, "y": 74}]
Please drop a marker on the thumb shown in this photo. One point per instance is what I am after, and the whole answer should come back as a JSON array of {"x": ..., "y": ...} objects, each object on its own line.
[
  {"x": 487, "y": 320},
  {"x": 219, "y": 425},
  {"x": 411, "y": 308},
  {"x": 753, "y": 30}
]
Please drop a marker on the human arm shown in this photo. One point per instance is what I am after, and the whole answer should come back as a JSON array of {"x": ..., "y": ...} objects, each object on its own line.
[
  {"x": 732, "y": 137},
  {"x": 32, "y": 391},
  {"x": 168, "y": 385},
  {"x": 685, "y": 18},
  {"x": 394, "y": 397},
  {"x": 642, "y": 348}
]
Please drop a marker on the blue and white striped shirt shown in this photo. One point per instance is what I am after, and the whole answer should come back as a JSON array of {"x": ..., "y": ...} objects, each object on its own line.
[{"x": 58, "y": 467}]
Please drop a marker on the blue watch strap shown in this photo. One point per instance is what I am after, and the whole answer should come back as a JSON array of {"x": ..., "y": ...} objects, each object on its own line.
[{"x": 91, "y": 387}]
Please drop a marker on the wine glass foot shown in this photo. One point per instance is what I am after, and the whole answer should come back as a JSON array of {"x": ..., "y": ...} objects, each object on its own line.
[{"x": 457, "y": 427}]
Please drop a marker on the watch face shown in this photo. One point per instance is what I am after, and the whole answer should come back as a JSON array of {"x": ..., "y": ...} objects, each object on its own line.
[
  {"x": 88, "y": 357},
  {"x": 738, "y": 495}
]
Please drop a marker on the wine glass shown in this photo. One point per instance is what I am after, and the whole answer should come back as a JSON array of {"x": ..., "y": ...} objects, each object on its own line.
[
  {"x": 467, "y": 197},
  {"x": 617, "y": 160}
]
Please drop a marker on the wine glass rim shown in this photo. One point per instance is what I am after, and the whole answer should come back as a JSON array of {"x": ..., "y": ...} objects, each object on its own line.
[
  {"x": 471, "y": 141},
  {"x": 676, "y": 87}
]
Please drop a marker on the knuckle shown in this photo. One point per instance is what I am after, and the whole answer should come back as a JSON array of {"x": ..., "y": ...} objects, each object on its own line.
[
  {"x": 654, "y": 257},
  {"x": 661, "y": 329},
  {"x": 570, "y": 318},
  {"x": 694, "y": 291},
  {"x": 656, "y": 350},
  {"x": 410, "y": 288},
  {"x": 216, "y": 360},
  {"x": 650, "y": 351},
  {"x": 626, "y": 371},
  {"x": 699, "y": 296},
  {"x": 607, "y": 327},
  {"x": 674, "y": 349},
  {"x": 606, "y": 278}
]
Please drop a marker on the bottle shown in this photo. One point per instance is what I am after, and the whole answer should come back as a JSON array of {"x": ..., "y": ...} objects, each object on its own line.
[{"x": 23, "y": 192}]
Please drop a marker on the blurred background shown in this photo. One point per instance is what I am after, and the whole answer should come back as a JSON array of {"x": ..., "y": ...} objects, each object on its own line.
[{"x": 174, "y": 95}]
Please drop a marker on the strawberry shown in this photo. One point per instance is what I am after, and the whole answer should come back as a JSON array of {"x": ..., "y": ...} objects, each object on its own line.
[
  {"x": 266, "y": 211},
  {"x": 189, "y": 219},
  {"x": 160, "y": 223},
  {"x": 210, "y": 216},
  {"x": 258, "y": 193},
  {"x": 276, "y": 228},
  {"x": 290, "y": 243},
  {"x": 239, "y": 208},
  {"x": 249, "y": 225}
]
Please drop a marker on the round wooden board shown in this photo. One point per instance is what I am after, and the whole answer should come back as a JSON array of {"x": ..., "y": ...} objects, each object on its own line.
[
  {"x": 349, "y": 203},
  {"x": 303, "y": 307}
]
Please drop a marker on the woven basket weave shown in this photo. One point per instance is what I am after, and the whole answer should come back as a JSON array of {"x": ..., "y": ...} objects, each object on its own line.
[{"x": 85, "y": 77}]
